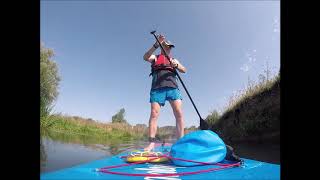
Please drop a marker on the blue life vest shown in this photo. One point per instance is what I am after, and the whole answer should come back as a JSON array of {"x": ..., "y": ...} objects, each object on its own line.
[{"x": 201, "y": 146}]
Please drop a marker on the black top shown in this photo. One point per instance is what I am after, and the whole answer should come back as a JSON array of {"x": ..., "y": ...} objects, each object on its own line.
[{"x": 163, "y": 78}]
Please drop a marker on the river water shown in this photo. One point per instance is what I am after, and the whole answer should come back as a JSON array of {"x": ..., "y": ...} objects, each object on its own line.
[{"x": 60, "y": 150}]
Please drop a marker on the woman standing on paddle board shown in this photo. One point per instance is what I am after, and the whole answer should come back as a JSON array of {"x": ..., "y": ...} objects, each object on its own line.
[{"x": 164, "y": 87}]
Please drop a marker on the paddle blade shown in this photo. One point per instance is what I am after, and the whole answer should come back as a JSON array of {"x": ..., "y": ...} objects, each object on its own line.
[{"x": 203, "y": 125}]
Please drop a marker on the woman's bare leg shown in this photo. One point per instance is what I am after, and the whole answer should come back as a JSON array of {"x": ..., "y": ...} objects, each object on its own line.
[
  {"x": 155, "y": 110},
  {"x": 177, "y": 111}
]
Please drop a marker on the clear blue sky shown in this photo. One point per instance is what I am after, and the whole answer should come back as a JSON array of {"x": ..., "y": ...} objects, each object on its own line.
[{"x": 99, "y": 47}]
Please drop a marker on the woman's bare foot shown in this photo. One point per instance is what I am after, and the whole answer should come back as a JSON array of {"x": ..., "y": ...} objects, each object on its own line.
[{"x": 150, "y": 147}]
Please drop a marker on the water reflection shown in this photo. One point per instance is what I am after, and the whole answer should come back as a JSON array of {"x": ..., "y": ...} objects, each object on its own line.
[
  {"x": 43, "y": 155},
  {"x": 60, "y": 150},
  {"x": 265, "y": 152}
]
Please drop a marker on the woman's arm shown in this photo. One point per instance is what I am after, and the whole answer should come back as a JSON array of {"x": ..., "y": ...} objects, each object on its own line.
[
  {"x": 148, "y": 56},
  {"x": 179, "y": 66}
]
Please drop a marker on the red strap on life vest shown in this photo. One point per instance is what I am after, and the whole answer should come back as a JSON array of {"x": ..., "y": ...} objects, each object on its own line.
[
  {"x": 162, "y": 63},
  {"x": 162, "y": 59}
]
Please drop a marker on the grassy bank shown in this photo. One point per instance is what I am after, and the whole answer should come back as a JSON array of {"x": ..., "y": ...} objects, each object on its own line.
[
  {"x": 89, "y": 127},
  {"x": 111, "y": 131},
  {"x": 251, "y": 115}
]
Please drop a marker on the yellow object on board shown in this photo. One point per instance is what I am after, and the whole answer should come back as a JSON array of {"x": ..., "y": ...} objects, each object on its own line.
[{"x": 145, "y": 155}]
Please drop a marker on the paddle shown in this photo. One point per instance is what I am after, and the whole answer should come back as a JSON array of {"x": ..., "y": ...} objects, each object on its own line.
[{"x": 203, "y": 124}]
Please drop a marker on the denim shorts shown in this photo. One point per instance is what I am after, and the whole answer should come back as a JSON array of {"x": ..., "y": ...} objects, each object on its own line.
[{"x": 161, "y": 95}]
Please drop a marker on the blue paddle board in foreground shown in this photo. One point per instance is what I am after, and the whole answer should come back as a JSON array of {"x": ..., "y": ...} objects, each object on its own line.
[{"x": 250, "y": 170}]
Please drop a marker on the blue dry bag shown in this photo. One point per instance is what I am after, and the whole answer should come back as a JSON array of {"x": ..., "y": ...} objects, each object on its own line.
[{"x": 201, "y": 146}]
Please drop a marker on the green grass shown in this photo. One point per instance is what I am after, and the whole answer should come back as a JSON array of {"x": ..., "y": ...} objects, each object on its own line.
[
  {"x": 80, "y": 126},
  {"x": 253, "y": 113},
  {"x": 74, "y": 125},
  {"x": 46, "y": 119},
  {"x": 253, "y": 89}
]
